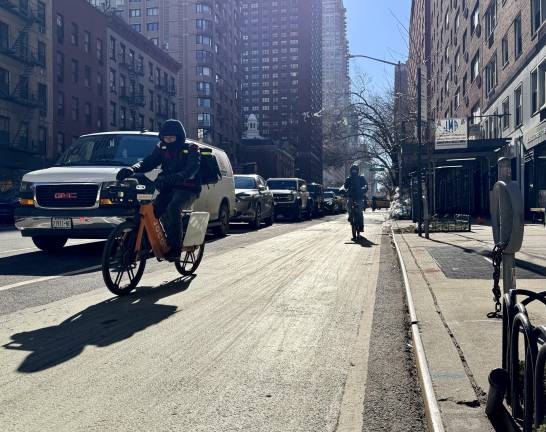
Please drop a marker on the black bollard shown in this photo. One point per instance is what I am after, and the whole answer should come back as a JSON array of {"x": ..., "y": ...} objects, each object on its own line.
[{"x": 498, "y": 380}]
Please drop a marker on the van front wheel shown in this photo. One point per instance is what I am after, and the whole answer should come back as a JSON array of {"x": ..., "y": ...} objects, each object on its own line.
[
  {"x": 223, "y": 218},
  {"x": 49, "y": 243}
]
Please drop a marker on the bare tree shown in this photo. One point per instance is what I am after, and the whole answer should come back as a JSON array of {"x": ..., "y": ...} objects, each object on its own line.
[{"x": 379, "y": 127}]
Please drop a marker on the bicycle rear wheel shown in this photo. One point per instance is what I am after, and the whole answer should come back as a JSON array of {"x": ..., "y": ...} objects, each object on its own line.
[
  {"x": 190, "y": 261},
  {"x": 121, "y": 267}
]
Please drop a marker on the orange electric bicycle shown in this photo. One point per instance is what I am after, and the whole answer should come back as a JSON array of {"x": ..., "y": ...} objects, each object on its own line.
[{"x": 142, "y": 236}]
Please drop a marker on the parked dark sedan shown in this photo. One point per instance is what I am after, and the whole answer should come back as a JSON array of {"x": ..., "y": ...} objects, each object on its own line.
[{"x": 254, "y": 201}]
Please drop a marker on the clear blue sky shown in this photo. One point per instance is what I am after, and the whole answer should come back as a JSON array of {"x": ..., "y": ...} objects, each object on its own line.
[{"x": 373, "y": 30}]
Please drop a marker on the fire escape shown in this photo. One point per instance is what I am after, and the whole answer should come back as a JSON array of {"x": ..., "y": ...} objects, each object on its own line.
[
  {"x": 21, "y": 52},
  {"x": 134, "y": 98}
]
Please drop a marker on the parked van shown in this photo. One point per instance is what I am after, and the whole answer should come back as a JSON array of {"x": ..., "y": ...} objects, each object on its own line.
[{"x": 67, "y": 200}]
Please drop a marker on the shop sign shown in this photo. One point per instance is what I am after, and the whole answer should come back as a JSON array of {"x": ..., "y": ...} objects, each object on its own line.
[
  {"x": 535, "y": 137},
  {"x": 451, "y": 133}
]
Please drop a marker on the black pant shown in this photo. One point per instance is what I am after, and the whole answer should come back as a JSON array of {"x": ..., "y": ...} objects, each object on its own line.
[{"x": 169, "y": 205}]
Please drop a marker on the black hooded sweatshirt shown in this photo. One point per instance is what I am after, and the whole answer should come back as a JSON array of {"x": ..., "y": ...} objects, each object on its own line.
[{"x": 179, "y": 160}]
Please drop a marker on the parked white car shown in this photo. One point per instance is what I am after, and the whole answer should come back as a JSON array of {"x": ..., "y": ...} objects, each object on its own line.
[{"x": 68, "y": 199}]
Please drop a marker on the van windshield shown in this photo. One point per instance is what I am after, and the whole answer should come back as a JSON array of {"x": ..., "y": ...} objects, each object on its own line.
[
  {"x": 109, "y": 150},
  {"x": 283, "y": 184}
]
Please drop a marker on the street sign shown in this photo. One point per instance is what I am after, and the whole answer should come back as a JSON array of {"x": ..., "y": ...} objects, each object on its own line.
[
  {"x": 451, "y": 133},
  {"x": 424, "y": 95}
]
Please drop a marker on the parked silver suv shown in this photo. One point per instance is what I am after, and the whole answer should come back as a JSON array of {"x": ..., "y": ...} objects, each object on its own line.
[{"x": 291, "y": 197}]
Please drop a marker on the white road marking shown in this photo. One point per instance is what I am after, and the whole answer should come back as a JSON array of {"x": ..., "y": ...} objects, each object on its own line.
[{"x": 48, "y": 278}]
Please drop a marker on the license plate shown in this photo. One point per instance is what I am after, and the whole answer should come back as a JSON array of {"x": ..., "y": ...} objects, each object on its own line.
[{"x": 61, "y": 223}]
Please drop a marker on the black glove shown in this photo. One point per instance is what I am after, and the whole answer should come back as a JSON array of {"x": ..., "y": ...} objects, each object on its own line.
[
  {"x": 125, "y": 173},
  {"x": 160, "y": 183}
]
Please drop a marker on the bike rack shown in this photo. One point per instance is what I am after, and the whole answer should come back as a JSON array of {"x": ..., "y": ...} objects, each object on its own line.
[{"x": 520, "y": 381}]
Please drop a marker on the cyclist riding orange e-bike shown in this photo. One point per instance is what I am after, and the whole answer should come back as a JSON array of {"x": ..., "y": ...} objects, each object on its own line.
[
  {"x": 356, "y": 187},
  {"x": 179, "y": 183}
]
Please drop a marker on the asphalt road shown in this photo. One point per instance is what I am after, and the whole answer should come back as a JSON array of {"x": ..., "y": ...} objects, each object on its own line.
[{"x": 273, "y": 334}]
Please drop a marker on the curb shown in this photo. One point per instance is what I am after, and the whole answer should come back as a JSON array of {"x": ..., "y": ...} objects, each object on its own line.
[{"x": 432, "y": 411}]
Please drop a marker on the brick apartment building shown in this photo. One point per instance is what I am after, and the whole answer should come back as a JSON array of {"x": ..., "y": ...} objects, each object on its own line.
[
  {"x": 26, "y": 114},
  {"x": 107, "y": 76},
  {"x": 282, "y": 83},
  {"x": 204, "y": 36},
  {"x": 486, "y": 65}
]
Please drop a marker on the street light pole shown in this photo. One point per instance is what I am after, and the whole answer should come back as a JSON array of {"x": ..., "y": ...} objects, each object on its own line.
[{"x": 419, "y": 161}]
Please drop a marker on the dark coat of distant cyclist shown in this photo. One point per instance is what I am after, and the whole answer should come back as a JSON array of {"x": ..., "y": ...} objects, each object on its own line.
[{"x": 356, "y": 187}]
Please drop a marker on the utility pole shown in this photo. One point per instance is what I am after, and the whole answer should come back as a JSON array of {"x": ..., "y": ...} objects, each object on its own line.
[{"x": 419, "y": 162}]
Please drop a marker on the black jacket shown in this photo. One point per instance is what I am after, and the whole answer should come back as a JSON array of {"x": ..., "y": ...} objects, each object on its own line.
[
  {"x": 179, "y": 161},
  {"x": 356, "y": 187}
]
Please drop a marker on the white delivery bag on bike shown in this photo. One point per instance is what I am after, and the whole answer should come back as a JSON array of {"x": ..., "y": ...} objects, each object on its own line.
[{"x": 196, "y": 229}]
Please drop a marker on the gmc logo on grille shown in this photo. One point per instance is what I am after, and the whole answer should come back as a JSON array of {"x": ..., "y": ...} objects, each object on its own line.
[{"x": 66, "y": 196}]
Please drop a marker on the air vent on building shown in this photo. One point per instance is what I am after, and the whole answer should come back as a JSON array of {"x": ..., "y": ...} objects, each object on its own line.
[
  {"x": 479, "y": 81},
  {"x": 478, "y": 30},
  {"x": 465, "y": 12},
  {"x": 466, "y": 101},
  {"x": 466, "y": 57}
]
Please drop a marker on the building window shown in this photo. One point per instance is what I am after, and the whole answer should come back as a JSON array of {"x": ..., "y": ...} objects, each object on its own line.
[
  {"x": 87, "y": 76},
  {"x": 60, "y": 103},
  {"x": 153, "y": 26},
  {"x": 518, "y": 107},
  {"x": 86, "y": 42},
  {"x": 113, "y": 114},
  {"x": 518, "y": 42},
  {"x": 123, "y": 117},
  {"x": 204, "y": 102},
  {"x": 475, "y": 67},
  {"x": 4, "y": 36},
  {"x": 505, "y": 51},
  {"x": 136, "y": 27},
  {"x": 74, "y": 35},
  {"x": 100, "y": 50},
  {"x": 59, "y": 28},
  {"x": 152, "y": 11},
  {"x": 538, "y": 14},
  {"x": 506, "y": 113},
  {"x": 203, "y": 8},
  {"x": 491, "y": 74},
  {"x": 75, "y": 108},
  {"x": 4, "y": 131},
  {"x": 538, "y": 88},
  {"x": 75, "y": 69},
  {"x": 100, "y": 118},
  {"x": 4, "y": 82},
  {"x": 100, "y": 85},
  {"x": 475, "y": 19},
  {"x": 134, "y": 13},
  {"x": 490, "y": 18},
  {"x": 203, "y": 25},
  {"x": 42, "y": 97},
  {"x": 204, "y": 120},
  {"x": 87, "y": 114},
  {"x": 112, "y": 48},
  {"x": 60, "y": 142},
  {"x": 60, "y": 66}
]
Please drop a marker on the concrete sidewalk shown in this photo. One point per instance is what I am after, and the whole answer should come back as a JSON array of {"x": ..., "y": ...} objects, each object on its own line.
[{"x": 450, "y": 277}]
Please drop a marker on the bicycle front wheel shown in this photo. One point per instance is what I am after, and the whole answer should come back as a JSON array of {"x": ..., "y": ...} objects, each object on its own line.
[
  {"x": 121, "y": 267},
  {"x": 190, "y": 261}
]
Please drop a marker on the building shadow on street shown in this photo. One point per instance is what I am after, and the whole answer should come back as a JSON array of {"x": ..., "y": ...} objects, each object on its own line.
[
  {"x": 100, "y": 325},
  {"x": 38, "y": 263}
]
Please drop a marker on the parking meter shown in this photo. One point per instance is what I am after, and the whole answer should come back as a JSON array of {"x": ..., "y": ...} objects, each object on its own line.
[{"x": 507, "y": 220}]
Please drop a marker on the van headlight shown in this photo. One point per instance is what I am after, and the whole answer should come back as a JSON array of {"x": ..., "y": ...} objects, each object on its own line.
[{"x": 26, "y": 187}]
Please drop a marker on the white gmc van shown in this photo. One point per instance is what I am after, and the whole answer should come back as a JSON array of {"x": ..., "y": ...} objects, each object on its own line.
[{"x": 68, "y": 199}]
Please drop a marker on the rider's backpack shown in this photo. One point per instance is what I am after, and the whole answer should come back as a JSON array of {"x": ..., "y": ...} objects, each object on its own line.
[{"x": 210, "y": 170}]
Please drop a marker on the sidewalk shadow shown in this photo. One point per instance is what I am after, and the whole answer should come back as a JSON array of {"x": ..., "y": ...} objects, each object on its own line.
[{"x": 100, "y": 325}]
